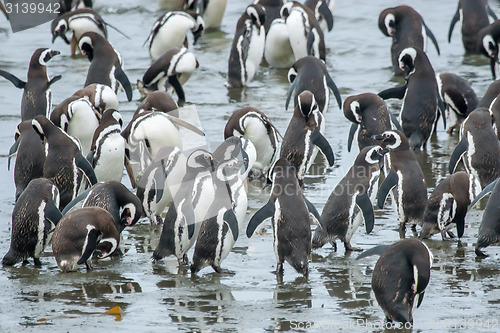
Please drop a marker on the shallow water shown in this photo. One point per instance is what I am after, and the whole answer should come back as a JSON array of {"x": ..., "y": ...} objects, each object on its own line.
[{"x": 463, "y": 291}]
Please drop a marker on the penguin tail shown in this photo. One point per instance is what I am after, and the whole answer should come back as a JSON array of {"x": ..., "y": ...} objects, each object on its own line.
[
  {"x": 320, "y": 238},
  {"x": 11, "y": 258},
  {"x": 160, "y": 253},
  {"x": 416, "y": 140}
]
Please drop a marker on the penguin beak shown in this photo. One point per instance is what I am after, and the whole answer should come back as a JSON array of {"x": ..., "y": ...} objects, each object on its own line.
[
  {"x": 383, "y": 151},
  {"x": 53, "y": 53},
  {"x": 378, "y": 137},
  {"x": 197, "y": 34}
]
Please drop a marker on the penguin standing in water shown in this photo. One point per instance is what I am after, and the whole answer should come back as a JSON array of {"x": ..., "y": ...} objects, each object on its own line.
[
  {"x": 37, "y": 96},
  {"x": 78, "y": 235},
  {"x": 64, "y": 160},
  {"x": 310, "y": 73},
  {"x": 350, "y": 203},
  {"x": 405, "y": 179},
  {"x": 420, "y": 97},
  {"x": 184, "y": 216},
  {"x": 106, "y": 66},
  {"x": 473, "y": 15},
  {"x": 289, "y": 213},
  {"x": 407, "y": 29},
  {"x": 34, "y": 217},
  {"x": 247, "y": 48},
  {"x": 400, "y": 277},
  {"x": 487, "y": 44}
]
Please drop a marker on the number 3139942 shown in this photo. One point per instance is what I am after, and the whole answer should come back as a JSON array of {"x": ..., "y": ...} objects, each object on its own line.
[{"x": 32, "y": 8}]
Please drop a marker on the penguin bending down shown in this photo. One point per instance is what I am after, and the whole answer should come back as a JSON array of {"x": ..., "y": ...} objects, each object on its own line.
[
  {"x": 350, "y": 203},
  {"x": 37, "y": 96},
  {"x": 400, "y": 277},
  {"x": 289, "y": 212},
  {"x": 34, "y": 217},
  {"x": 82, "y": 233},
  {"x": 277, "y": 50}
]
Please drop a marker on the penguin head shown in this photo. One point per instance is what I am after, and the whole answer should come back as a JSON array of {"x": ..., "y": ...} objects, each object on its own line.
[
  {"x": 490, "y": 46},
  {"x": 257, "y": 14},
  {"x": 306, "y": 104},
  {"x": 373, "y": 154},
  {"x": 38, "y": 124},
  {"x": 352, "y": 110},
  {"x": 201, "y": 160},
  {"x": 198, "y": 28},
  {"x": 390, "y": 24},
  {"x": 59, "y": 28},
  {"x": 130, "y": 214},
  {"x": 112, "y": 114},
  {"x": 391, "y": 139},
  {"x": 286, "y": 10},
  {"x": 86, "y": 44},
  {"x": 44, "y": 55},
  {"x": 231, "y": 159},
  {"x": 406, "y": 60}
]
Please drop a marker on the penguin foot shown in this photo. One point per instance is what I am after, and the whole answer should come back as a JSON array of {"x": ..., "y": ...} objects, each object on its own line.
[
  {"x": 402, "y": 231},
  {"x": 37, "y": 261},
  {"x": 480, "y": 253},
  {"x": 88, "y": 265},
  {"x": 349, "y": 248},
  {"x": 447, "y": 236},
  {"x": 184, "y": 260},
  {"x": 222, "y": 270},
  {"x": 334, "y": 244},
  {"x": 279, "y": 269},
  {"x": 159, "y": 221}
]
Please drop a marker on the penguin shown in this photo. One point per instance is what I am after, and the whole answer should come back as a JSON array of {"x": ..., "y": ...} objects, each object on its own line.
[
  {"x": 350, "y": 202},
  {"x": 272, "y": 9},
  {"x": 323, "y": 11},
  {"x": 30, "y": 156},
  {"x": 247, "y": 48},
  {"x": 306, "y": 35},
  {"x": 458, "y": 97},
  {"x": 420, "y": 97},
  {"x": 158, "y": 101},
  {"x": 448, "y": 205},
  {"x": 220, "y": 227},
  {"x": 64, "y": 160},
  {"x": 107, "y": 151},
  {"x": 184, "y": 216},
  {"x": 78, "y": 119},
  {"x": 289, "y": 212},
  {"x": 170, "y": 31},
  {"x": 124, "y": 206},
  {"x": 106, "y": 66},
  {"x": 407, "y": 29},
  {"x": 37, "y": 96},
  {"x": 303, "y": 134},
  {"x": 310, "y": 73},
  {"x": 34, "y": 217},
  {"x": 170, "y": 71},
  {"x": 212, "y": 12},
  {"x": 78, "y": 21},
  {"x": 400, "y": 277},
  {"x": 160, "y": 181},
  {"x": 473, "y": 15},
  {"x": 488, "y": 44},
  {"x": 82, "y": 233},
  {"x": 405, "y": 180},
  {"x": 254, "y": 125},
  {"x": 101, "y": 96},
  {"x": 369, "y": 112},
  {"x": 480, "y": 160},
  {"x": 278, "y": 52}
]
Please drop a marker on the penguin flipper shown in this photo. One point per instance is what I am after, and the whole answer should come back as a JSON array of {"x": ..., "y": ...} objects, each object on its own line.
[
  {"x": 487, "y": 190},
  {"x": 459, "y": 220},
  {"x": 262, "y": 214},
  {"x": 319, "y": 140},
  {"x": 124, "y": 81},
  {"x": 12, "y": 152},
  {"x": 91, "y": 243},
  {"x": 293, "y": 86},
  {"x": 352, "y": 131},
  {"x": 334, "y": 88},
  {"x": 76, "y": 200},
  {"x": 180, "y": 122},
  {"x": 312, "y": 210},
  {"x": 116, "y": 29},
  {"x": 53, "y": 80},
  {"x": 232, "y": 222},
  {"x": 454, "y": 20},
  {"x": 90, "y": 158},
  {"x": 174, "y": 82},
  {"x": 395, "y": 122},
  {"x": 388, "y": 184},
  {"x": 188, "y": 211},
  {"x": 493, "y": 62},
  {"x": 327, "y": 14},
  {"x": 18, "y": 83},
  {"x": 442, "y": 108},
  {"x": 457, "y": 154},
  {"x": 159, "y": 179},
  {"x": 310, "y": 42},
  {"x": 396, "y": 92},
  {"x": 87, "y": 169},
  {"x": 375, "y": 251},
  {"x": 52, "y": 213},
  {"x": 429, "y": 33},
  {"x": 491, "y": 12},
  {"x": 365, "y": 205},
  {"x": 420, "y": 298}
]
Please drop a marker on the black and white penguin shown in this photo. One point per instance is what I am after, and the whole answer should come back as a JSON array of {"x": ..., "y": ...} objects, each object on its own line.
[
  {"x": 101, "y": 96},
  {"x": 303, "y": 135},
  {"x": 184, "y": 216},
  {"x": 170, "y": 31},
  {"x": 254, "y": 125},
  {"x": 220, "y": 227},
  {"x": 350, "y": 203},
  {"x": 407, "y": 29},
  {"x": 272, "y": 9},
  {"x": 473, "y": 15},
  {"x": 106, "y": 65},
  {"x": 405, "y": 180},
  {"x": 289, "y": 212},
  {"x": 247, "y": 48},
  {"x": 400, "y": 277},
  {"x": 310, "y": 73},
  {"x": 30, "y": 156},
  {"x": 458, "y": 97},
  {"x": 278, "y": 52},
  {"x": 306, "y": 35},
  {"x": 448, "y": 205},
  {"x": 159, "y": 101},
  {"x": 34, "y": 217},
  {"x": 64, "y": 160},
  {"x": 79, "y": 119},
  {"x": 82, "y": 233},
  {"x": 169, "y": 72},
  {"x": 487, "y": 44},
  {"x": 420, "y": 97},
  {"x": 480, "y": 160},
  {"x": 78, "y": 21},
  {"x": 369, "y": 112},
  {"x": 323, "y": 10},
  {"x": 37, "y": 96}
]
